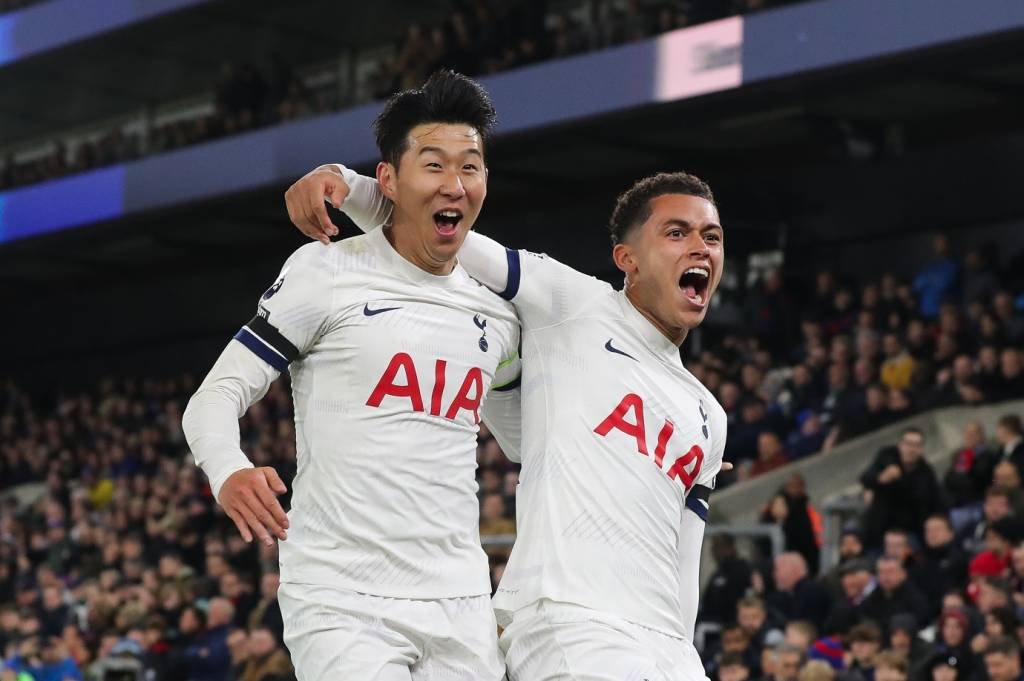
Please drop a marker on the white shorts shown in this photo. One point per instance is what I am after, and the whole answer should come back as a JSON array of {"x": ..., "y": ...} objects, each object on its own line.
[
  {"x": 339, "y": 635},
  {"x": 556, "y": 641}
]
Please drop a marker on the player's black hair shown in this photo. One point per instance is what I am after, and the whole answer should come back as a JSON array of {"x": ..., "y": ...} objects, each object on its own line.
[
  {"x": 633, "y": 206},
  {"x": 446, "y": 97}
]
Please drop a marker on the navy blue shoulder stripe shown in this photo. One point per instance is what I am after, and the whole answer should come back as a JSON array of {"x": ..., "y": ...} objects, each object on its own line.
[
  {"x": 272, "y": 337},
  {"x": 698, "y": 501},
  {"x": 261, "y": 349},
  {"x": 514, "y": 273}
]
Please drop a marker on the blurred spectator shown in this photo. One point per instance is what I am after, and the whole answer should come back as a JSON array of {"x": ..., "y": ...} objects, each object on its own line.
[
  {"x": 858, "y": 583},
  {"x": 267, "y": 612},
  {"x": 942, "y": 565},
  {"x": 904, "y": 640},
  {"x": 208, "y": 658},
  {"x": 770, "y": 454},
  {"x": 788, "y": 661},
  {"x": 865, "y": 640},
  {"x": 898, "y": 366},
  {"x": 752, "y": 616},
  {"x": 1002, "y": 660},
  {"x": 266, "y": 660},
  {"x": 796, "y": 595},
  {"x": 44, "y": 658},
  {"x": 903, "y": 487},
  {"x": 727, "y": 584},
  {"x": 891, "y": 666},
  {"x": 953, "y": 637},
  {"x": 733, "y": 667},
  {"x": 970, "y": 472},
  {"x": 895, "y": 595},
  {"x": 801, "y": 525},
  {"x": 817, "y": 670},
  {"x": 800, "y": 634},
  {"x": 936, "y": 280},
  {"x": 996, "y": 506}
]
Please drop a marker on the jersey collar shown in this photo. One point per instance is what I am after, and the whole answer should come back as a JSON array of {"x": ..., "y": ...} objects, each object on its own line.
[
  {"x": 398, "y": 264},
  {"x": 655, "y": 340}
]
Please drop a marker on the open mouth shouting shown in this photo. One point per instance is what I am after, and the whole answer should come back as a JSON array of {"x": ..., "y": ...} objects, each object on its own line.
[
  {"x": 694, "y": 284},
  {"x": 447, "y": 221}
]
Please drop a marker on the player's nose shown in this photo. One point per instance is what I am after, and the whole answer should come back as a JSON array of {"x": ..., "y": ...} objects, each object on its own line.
[
  {"x": 697, "y": 246},
  {"x": 452, "y": 186}
]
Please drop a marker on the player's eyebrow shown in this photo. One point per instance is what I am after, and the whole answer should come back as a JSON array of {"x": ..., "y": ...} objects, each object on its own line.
[{"x": 441, "y": 152}]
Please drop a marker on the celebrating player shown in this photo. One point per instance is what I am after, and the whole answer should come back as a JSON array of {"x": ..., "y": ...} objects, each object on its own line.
[
  {"x": 391, "y": 348},
  {"x": 619, "y": 439}
]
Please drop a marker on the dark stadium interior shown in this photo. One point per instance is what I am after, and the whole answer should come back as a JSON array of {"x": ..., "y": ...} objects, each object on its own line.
[
  {"x": 813, "y": 162},
  {"x": 828, "y": 336}
]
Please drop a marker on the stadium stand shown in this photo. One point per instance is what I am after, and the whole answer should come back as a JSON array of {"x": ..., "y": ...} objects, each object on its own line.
[
  {"x": 480, "y": 38},
  {"x": 124, "y": 542}
]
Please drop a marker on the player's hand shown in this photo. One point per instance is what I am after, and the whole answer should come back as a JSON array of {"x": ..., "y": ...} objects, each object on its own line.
[
  {"x": 249, "y": 497},
  {"x": 305, "y": 201}
]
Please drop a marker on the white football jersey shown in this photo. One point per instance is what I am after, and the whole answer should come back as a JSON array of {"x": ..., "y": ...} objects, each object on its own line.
[
  {"x": 619, "y": 440},
  {"x": 389, "y": 367},
  {"x": 620, "y": 443}
]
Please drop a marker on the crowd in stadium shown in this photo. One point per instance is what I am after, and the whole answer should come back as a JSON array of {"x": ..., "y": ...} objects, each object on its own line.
[
  {"x": 124, "y": 562},
  {"x": 482, "y": 37}
]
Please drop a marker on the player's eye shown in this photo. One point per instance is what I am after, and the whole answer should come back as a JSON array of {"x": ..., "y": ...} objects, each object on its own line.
[
  {"x": 716, "y": 238},
  {"x": 433, "y": 164},
  {"x": 470, "y": 166},
  {"x": 675, "y": 233}
]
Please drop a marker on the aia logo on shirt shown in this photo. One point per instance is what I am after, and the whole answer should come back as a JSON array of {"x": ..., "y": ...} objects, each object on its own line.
[
  {"x": 407, "y": 387},
  {"x": 629, "y": 418}
]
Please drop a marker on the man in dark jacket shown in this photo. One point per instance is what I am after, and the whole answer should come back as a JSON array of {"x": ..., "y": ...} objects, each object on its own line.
[
  {"x": 903, "y": 486},
  {"x": 796, "y": 595},
  {"x": 942, "y": 565},
  {"x": 894, "y": 595},
  {"x": 728, "y": 583}
]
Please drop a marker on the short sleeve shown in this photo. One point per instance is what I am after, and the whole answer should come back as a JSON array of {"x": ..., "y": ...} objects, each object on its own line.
[{"x": 291, "y": 314}]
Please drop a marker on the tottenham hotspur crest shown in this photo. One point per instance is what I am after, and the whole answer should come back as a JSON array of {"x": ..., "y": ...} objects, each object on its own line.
[
  {"x": 482, "y": 325},
  {"x": 277, "y": 285}
]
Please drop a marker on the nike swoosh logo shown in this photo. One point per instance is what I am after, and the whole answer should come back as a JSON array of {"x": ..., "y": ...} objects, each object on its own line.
[
  {"x": 369, "y": 313},
  {"x": 610, "y": 348}
]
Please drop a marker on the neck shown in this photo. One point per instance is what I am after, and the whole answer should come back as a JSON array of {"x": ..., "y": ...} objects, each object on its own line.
[
  {"x": 677, "y": 335},
  {"x": 402, "y": 239}
]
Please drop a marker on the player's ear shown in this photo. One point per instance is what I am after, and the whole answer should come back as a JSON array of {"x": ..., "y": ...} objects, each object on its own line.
[
  {"x": 387, "y": 176},
  {"x": 624, "y": 258}
]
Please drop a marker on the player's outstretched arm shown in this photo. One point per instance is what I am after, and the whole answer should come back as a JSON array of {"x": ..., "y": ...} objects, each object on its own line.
[
  {"x": 248, "y": 495},
  {"x": 290, "y": 318}
]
